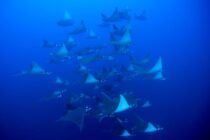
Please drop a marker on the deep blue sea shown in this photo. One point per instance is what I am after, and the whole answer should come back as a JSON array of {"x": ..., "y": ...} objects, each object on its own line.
[{"x": 176, "y": 30}]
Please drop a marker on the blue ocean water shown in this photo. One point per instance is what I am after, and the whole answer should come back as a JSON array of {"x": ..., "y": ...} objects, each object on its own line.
[{"x": 176, "y": 30}]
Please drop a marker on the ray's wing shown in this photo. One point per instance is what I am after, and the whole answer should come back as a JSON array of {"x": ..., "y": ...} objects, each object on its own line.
[{"x": 75, "y": 116}]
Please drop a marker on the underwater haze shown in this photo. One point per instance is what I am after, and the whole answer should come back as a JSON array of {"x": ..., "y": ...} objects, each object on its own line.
[{"x": 104, "y": 70}]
